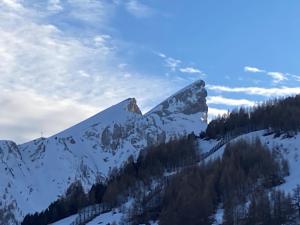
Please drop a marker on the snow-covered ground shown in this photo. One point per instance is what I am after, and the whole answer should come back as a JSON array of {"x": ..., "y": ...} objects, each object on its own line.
[
  {"x": 219, "y": 217},
  {"x": 66, "y": 221},
  {"x": 113, "y": 217},
  {"x": 288, "y": 147},
  {"x": 107, "y": 218}
]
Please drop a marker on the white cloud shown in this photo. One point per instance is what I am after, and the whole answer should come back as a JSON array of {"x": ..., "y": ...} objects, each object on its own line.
[
  {"x": 229, "y": 101},
  {"x": 138, "y": 9},
  {"x": 253, "y": 69},
  {"x": 266, "y": 92},
  {"x": 172, "y": 63},
  {"x": 214, "y": 112},
  {"x": 48, "y": 74},
  {"x": 277, "y": 76},
  {"x": 296, "y": 77},
  {"x": 122, "y": 66},
  {"x": 13, "y": 4},
  {"x": 162, "y": 55},
  {"x": 101, "y": 40},
  {"x": 90, "y": 11},
  {"x": 127, "y": 75},
  {"x": 84, "y": 74},
  {"x": 54, "y": 5},
  {"x": 175, "y": 65},
  {"x": 24, "y": 114},
  {"x": 39, "y": 56},
  {"x": 190, "y": 70}
]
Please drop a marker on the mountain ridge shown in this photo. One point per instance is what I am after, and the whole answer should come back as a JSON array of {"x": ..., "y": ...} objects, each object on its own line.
[{"x": 91, "y": 149}]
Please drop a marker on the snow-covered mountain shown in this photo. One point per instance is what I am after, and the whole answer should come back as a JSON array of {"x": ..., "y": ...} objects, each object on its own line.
[{"x": 38, "y": 172}]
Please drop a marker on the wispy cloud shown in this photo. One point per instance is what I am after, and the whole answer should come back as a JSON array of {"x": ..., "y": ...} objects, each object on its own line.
[
  {"x": 177, "y": 65},
  {"x": 214, "y": 112},
  {"x": 190, "y": 70},
  {"x": 220, "y": 100},
  {"x": 25, "y": 114},
  {"x": 172, "y": 63},
  {"x": 253, "y": 69},
  {"x": 47, "y": 74},
  {"x": 139, "y": 9},
  {"x": 162, "y": 55},
  {"x": 13, "y": 4},
  {"x": 266, "y": 92},
  {"x": 296, "y": 77},
  {"x": 54, "y": 5},
  {"x": 276, "y": 76}
]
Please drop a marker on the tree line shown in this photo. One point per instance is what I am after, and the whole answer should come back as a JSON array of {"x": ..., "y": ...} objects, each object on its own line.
[
  {"x": 151, "y": 164},
  {"x": 74, "y": 199},
  {"x": 278, "y": 115},
  {"x": 193, "y": 195}
]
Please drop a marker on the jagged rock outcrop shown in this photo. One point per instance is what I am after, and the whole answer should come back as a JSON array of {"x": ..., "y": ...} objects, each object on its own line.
[
  {"x": 89, "y": 150},
  {"x": 133, "y": 107},
  {"x": 189, "y": 100}
]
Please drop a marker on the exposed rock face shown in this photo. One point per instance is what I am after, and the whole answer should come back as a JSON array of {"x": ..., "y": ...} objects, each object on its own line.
[
  {"x": 188, "y": 101},
  {"x": 92, "y": 148},
  {"x": 112, "y": 136},
  {"x": 133, "y": 107}
]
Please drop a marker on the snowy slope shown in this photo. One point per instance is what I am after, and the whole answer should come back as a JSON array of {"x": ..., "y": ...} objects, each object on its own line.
[
  {"x": 289, "y": 148},
  {"x": 14, "y": 173},
  {"x": 39, "y": 171},
  {"x": 108, "y": 218},
  {"x": 66, "y": 221}
]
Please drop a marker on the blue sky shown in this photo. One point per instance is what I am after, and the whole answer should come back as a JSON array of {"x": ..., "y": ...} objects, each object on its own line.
[{"x": 64, "y": 60}]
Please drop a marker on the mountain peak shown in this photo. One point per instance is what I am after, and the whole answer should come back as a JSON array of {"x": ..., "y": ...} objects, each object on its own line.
[
  {"x": 132, "y": 106},
  {"x": 189, "y": 100}
]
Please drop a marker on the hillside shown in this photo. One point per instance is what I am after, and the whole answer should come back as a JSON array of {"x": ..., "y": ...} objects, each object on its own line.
[{"x": 185, "y": 185}]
